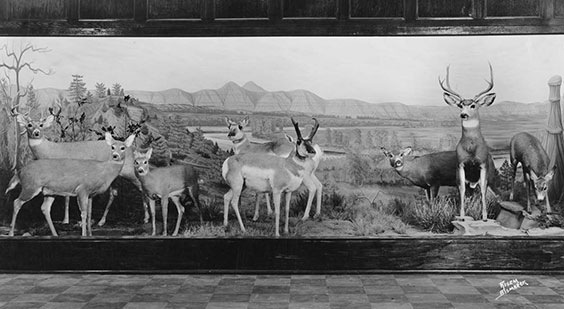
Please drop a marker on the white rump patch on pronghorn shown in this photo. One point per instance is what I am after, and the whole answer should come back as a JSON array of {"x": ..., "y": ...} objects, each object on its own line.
[
  {"x": 35, "y": 142},
  {"x": 472, "y": 123}
]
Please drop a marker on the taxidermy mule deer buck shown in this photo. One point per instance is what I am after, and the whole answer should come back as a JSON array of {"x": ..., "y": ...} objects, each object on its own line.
[
  {"x": 430, "y": 171},
  {"x": 164, "y": 183},
  {"x": 472, "y": 151},
  {"x": 527, "y": 150},
  {"x": 68, "y": 177},
  {"x": 266, "y": 173},
  {"x": 281, "y": 148},
  {"x": 81, "y": 150}
]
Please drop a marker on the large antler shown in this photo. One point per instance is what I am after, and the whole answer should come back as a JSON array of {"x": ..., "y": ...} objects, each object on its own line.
[
  {"x": 297, "y": 128},
  {"x": 490, "y": 85},
  {"x": 313, "y": 130},
  {"x": 448, "y": 89}
]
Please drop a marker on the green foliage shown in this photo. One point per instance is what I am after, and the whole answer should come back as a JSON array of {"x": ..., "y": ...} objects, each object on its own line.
[
  {"x": 100, "y": 90},
  {"x": 116, "y": 89},
  {"x": 506, "y": 176},
  {"x": 77, "y": 89},
  {"x": 435, "y": 217}
]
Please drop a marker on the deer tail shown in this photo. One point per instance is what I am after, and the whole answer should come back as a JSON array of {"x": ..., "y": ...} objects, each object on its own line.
[{"x": 13, "y": 183}]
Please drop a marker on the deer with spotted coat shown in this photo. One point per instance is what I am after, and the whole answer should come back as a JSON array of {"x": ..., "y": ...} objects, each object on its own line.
[
  {"x": 472, "y": 150},
  {"x": 266, "y": 173},
  {"x": 281, "y": 147}
]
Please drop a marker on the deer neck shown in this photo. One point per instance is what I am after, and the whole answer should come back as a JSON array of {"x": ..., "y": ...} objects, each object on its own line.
[
  {"x": 408, "y": 170},
  {"x": 240, "y": 144},
  {"x": 471, "y": 127}
]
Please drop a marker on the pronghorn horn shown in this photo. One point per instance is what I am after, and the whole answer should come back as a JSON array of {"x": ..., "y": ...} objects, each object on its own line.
[
  {"x": 297, "y": 128},
  {"x": 313, "y": 130}
]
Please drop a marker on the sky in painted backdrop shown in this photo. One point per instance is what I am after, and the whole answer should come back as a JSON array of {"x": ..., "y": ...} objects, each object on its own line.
[{"x": 373, "y": 69}]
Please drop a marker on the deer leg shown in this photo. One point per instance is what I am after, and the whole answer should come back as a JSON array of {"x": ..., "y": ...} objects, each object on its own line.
[
  {"x": 164, "y": 205},
  {"x": 226, "y": 201},
  {"x": 153, "y": 223},
  {"x": 527, "y": 179},
  {"x": 113, "y": 194},
  {"x": 268, "y": 207},
  {"x": 235, "y": 205},
  {"x": 180, "y": 210},
  {"x": 462, "y": 189},
  {"x": 66, "y": 218},
  {"x": 89, "y": 217},
  {"x": 318, "y": 192},
  {"x": 483, "y": 190},
  {"x": 512, "y": 194},
  {"x": 17, "y": 206},
  {"x": 428, "y": 194},
  {"x": 146, "y": 211},
  {"x": 46, "y": 209},
  {"x": 434, "y": 192},
  {"x": 287, "y": 211},
  {"x": 194, "y": 195},
  {"x": 257, "y": 205},
  {"x": 276, "y": 199},
  {"x": 311, "y": 188},
  {"x": 83, "y": 204}
]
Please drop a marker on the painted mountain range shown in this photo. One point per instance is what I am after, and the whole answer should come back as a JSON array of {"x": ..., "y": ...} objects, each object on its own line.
[{"x": 253, "y": 98}]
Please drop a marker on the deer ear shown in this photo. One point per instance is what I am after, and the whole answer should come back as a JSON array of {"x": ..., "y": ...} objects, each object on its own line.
[
  {"x": 385, "y": 152},
  {"x": 450, "y": 99},
  {"x": 149, "y": 153},
  {"x": 533, "y": 176},
  {"x": 227, "y": 121},
  {"x": 487, "y": 100},
  {"x": 405, "y": 152},
  {"x": 109, "y": 138},
  {"x": 550, "y": 174},
  {"x": 289, "y": 138},
  {"x": 129, "y": 140},
  {"x": 48, "y": 121},
  {"x": 244, "y": 122},
  {"x": 22, "y": 120}
]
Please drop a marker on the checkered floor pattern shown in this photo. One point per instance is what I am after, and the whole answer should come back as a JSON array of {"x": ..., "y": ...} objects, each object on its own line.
[{"x": 279, "y": 291}]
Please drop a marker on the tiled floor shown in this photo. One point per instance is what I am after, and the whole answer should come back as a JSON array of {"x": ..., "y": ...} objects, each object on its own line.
[{"x": 278, "y": 291}]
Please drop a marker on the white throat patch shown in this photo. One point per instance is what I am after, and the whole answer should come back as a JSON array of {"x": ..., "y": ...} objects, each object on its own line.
[
  {"x": 470, "y": 123},
  {"x": 35, "y": 142}
]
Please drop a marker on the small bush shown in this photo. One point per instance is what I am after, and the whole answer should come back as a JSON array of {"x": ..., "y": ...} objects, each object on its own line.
[
  {"x": 435, "y": 217},
  {"x": 370, "y": 220}
]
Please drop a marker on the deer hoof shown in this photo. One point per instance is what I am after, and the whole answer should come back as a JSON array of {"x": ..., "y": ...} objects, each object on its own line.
[
  {"x": 101, "y": 222},
  {"x": 305, "y": 218},
  {"x": 255, "y": 218}
]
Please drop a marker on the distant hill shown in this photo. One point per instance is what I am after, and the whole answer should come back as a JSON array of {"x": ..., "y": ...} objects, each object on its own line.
[{"x": 252, "y": 98}]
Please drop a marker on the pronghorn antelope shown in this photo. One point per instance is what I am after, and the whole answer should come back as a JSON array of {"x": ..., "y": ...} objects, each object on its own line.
[
  {"x": 430, "y": 171},
  {"x": 265, "y": 173},
  {"x": 164, "y": 183},
  {"x": 81, "y": 150},
  {"x": 69, "y": 177},
  {"x": 281, "y": 147},
  {"x": 472, "y": 151},
  {"x": 527, "y": 150}
]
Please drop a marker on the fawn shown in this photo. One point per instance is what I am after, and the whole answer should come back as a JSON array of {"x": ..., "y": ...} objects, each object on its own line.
[
  {"x": 472, "y": 151},
  {"x": 68, "y": 177},
  {"x": 527, "y": 150},
  {"x": 80, "y": 150},
  {"x": 266, "y": 173},
  {"x": 164, "y": 183},
  {"x": 282, "y": 148}
]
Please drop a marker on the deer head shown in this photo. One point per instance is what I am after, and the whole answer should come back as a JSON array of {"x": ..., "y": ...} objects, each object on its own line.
[
  {"x": 236, "y": 128},
  {"x": 141, "y": 162},
  {"x": 541, "y": 183},
  {"x": 468, "y": 107},
  {"x": 397, "y": 161},
  {"x": 118, "y": 148},
  {"x": 34, "y": 128},
  {"x": 304, "y": 147}
]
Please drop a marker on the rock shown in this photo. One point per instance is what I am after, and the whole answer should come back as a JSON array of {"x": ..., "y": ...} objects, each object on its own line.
[
  {"x": 510, "y": 215},
  {"x": 551, "y": 231},
  {"x": 482, "y": 228}
]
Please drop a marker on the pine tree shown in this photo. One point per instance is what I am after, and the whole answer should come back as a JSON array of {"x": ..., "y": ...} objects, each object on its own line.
[
  {"x": 32, "y": 102},
  {"x": 109, "y": 92},
  {"x": 116, "y": 89},
  {"x": 77, "y": 89},
  {"x": 506, "y": 176},
  {"x": 101, "y": 90}
]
